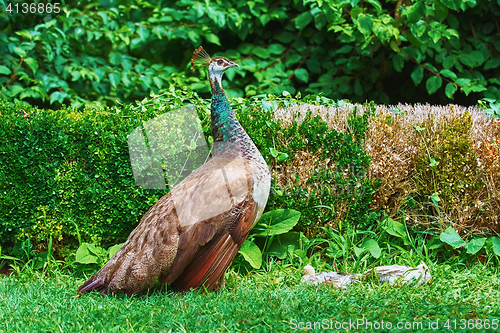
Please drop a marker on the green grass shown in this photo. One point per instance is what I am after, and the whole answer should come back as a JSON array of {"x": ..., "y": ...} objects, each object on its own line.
[{"x": 260, "y": 302}]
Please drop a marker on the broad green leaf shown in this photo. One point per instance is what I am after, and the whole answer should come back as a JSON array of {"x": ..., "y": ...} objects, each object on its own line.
[
  {"x": 398, "y": 62},
  {"x": 477, "y": 88},
  {"x": 41, "y": 259},
  {"x": 214, "y": 39},
  {"x": 114, "y": 78},
  {"x": 370, "y": 245},
  {"x": 433, "y": 84},
  {"x": 115, "y": 58},
  {"x": 448, "y": 62},
  {"x": 274, "y": 152},
  {"x": 462, "y": 81},
  {"x": 450, "y": 89},
  {"x": 434, "y": 243},
  {"x": 472, "y": 59},
  {"x": 276, "y": 222},
  {"x": 97, "y": 250},
  {"x": 276, "y": 49},
  {"x": 147, "y": 80},
  {"x": 113, "y": 249},
  {"x": 266, "y": 105},
  {"x": 435, "y": 198},
  {"x": 435, "y": 35},
  {"x": 344, "y": 49},
  {"x": 314, "y": 66},
  {"x": 19, "y": 51},
  {"x": 158, "y": 82},
  {"x": 417, "y": 75},
  {"x": 449, "y": 74},
  {"x": 24, "y": 33},
  {"x": 451, "y": 237},
  {"x": 84, "y": 255},
  {"x": 5, "y": 70},
  {"x": 474, "y": 245},
  {"x": 264, "y": 19},
  {"x": 355, "y": 12},
  {"x": 302, "y": 74},
  {"x": 303, "y": 20},
  {"x": 394, "y": 46},
  {"x": 492, "y": 63},
  {"x": 365, "y": 24},
  {"x": 415, "y": 12},
  {"x": 319, "y": 18},
  {"x": 285, "y": 243},
  {"x": 245, "y": 48},
  {"x": 448, "y": 33},
  {"x": 440, "y": 10},
  {"x": 375, "y": 4},
  {"x": 430, "y": 66},
  {"x": 33, "y": 64},
  {"x": 251, "y": 253},
  {"x": 58, "y": 96},
  {"x": 496, "y": 245},
  {"x": 261, "y": 52},
  {"x": 451, "y": 4},
  {"x": 75, "y": 75},
  {"x": 395, "y": 228},
  {"x": 282, "y": 157}
]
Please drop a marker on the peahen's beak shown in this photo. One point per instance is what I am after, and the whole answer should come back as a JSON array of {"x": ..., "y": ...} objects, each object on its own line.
[{"x": 232, "y": 64}]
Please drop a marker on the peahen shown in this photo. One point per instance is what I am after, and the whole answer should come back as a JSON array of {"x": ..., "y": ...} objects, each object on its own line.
[{"x": 191, "y": 235}]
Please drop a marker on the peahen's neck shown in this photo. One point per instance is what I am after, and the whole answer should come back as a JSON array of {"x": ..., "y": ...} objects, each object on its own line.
[{"x": 225, "y": 126}]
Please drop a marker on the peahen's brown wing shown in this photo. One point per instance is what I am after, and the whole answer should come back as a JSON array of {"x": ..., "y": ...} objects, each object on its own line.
[{"x": 190, "y": 236}]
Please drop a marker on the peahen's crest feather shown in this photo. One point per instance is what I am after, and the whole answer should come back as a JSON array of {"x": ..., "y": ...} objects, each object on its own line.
[{"x": 201, "y": 56}]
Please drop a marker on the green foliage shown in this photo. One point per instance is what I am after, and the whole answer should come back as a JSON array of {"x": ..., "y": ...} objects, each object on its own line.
[
  {"x": 446, "y": 168},
  {"x": 99, "y": 52},
  {"x": 491, "y": 107},
  {"x": 278, "y": 223},
  {"x": 92, "y": 254},
  {"x": 450, "y": 236},
  {"x": 473, "y": 246}
]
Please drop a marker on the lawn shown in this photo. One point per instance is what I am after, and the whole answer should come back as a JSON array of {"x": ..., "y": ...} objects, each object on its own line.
[{"x": 456, "y": 299}]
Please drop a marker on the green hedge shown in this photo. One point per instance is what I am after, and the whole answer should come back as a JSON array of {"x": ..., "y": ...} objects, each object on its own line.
[{"x": 67, "y": 174}]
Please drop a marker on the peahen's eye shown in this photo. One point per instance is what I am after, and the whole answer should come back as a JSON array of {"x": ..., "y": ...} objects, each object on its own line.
[{"x": 219, "y": 62}]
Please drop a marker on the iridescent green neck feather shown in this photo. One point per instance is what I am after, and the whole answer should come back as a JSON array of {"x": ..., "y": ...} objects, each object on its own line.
[{"x": 225, "y": 126}]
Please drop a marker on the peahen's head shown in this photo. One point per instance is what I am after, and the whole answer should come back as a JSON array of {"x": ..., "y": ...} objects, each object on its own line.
[{"x": 218, "y": 65}]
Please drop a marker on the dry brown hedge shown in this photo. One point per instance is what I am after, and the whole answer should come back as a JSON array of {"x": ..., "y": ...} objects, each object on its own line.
[{"x": 401, "y": 140}]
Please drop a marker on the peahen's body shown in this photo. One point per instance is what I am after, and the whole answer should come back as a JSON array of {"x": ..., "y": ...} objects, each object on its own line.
[{"x": 191, "y": 235}]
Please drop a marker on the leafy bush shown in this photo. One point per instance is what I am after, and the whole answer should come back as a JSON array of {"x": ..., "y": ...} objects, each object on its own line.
[
  {"x": 446, "y": 163},
  {"x": 64, "y": 171},
  {"x": 100, "y": 52}
]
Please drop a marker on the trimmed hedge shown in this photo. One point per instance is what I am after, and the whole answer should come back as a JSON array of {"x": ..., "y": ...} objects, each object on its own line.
[{"x": 67, "y": 174}]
